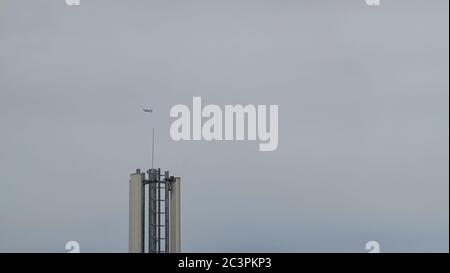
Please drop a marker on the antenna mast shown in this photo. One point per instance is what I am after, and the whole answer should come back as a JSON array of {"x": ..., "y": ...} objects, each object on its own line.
[{"x": 153, "y": 146}]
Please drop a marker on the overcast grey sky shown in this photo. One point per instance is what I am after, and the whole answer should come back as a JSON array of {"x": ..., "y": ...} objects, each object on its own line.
[{"x": 363, "y": 122}]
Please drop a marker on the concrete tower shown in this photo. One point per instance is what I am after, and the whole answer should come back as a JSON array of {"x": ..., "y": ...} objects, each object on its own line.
[{"x": 163, "y": 211}]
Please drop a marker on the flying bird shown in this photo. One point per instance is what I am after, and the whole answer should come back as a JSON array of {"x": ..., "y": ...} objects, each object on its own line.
[{"x": 148, "y": 110}]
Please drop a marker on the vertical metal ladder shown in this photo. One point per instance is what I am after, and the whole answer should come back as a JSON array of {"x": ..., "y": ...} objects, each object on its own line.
[{"x": 159, "y": 186}]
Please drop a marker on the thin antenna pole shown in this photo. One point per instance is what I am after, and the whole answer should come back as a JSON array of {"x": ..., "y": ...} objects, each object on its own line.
[{"x": 153, "y": 146}]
